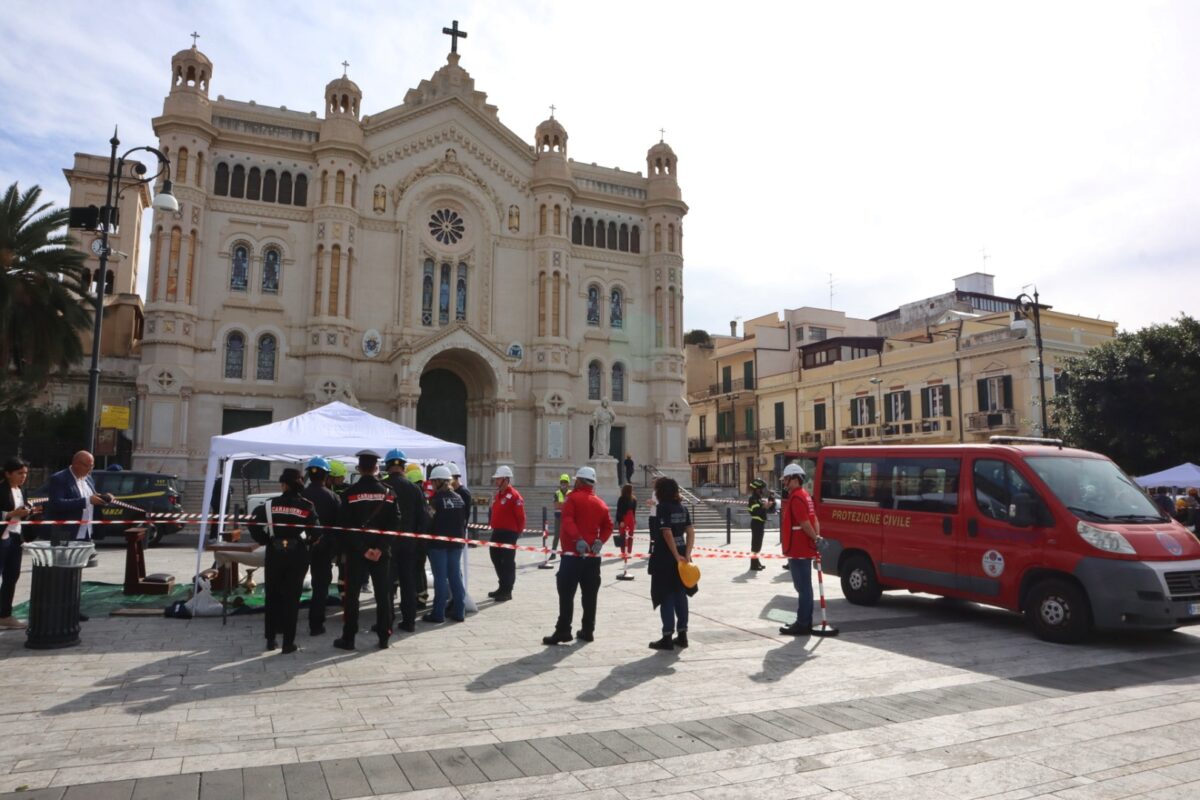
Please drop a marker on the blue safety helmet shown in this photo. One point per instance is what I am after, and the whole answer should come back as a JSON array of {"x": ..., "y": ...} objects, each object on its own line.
[
  {"x": 395, "y": 454},
  {"x": 318, "y": 463}
]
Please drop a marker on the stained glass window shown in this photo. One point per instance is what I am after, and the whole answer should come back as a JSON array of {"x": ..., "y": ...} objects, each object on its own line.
[
  {"x": 270, "y": 278},
  {"x": 427, "y": 294},
  {"x": 446, "y": 226},
  {"x": 618, "y": 383},
  {"x": 616, "y": 313},
  {"x": 594, "y": 380},
  {"x": 460, "y": 299},
  {"x": 444, "y": 295},
  {"x": 266, "y": 357},
  {"x": 235, "y": 355},
  {"x": 239, "y": 278},
  {"x": 593, "y": 305}
]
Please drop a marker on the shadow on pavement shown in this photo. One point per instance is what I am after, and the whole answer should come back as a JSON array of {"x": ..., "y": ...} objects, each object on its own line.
[
  {"x": 782, "y": 661},
  {"x": 627, "y": 676},
  {"x": 523, "y": 668}
]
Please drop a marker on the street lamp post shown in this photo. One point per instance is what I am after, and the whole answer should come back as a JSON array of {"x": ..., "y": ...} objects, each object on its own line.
[
  {"x": 1028, "y": 306},
  {"x": 163, "y": 201},
  {"x": 877, "y": 382}
]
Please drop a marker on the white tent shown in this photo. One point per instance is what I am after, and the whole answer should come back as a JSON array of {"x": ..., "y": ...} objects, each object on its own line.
[
  {"x": 1183, "y": 476},
  {"x": 334, "y": 430}
]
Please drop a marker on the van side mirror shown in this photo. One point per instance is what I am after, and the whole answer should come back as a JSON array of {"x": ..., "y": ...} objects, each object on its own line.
[{"x": 1022, "y": 511}]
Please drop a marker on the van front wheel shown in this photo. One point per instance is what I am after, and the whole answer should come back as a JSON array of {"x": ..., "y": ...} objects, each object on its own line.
[
  {"x": 859, "y": 584},
  {"x": 1057, "y": 610}
]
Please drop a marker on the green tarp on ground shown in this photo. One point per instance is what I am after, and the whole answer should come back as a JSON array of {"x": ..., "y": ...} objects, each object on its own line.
[{"x": 101, "y": 599}]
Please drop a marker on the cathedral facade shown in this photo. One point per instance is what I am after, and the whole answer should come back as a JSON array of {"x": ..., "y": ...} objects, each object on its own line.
[{"x": 425, "y": 263}]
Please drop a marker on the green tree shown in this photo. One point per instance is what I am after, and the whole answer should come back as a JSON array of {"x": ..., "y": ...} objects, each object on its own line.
[
  {"x": 698, "y": 336},
  {"x": 1135, "y": 398},
  {"x": 43, "y": 297}
]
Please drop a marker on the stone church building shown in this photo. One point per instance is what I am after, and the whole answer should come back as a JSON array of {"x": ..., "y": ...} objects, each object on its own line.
[{"x": 425, "y": 263}]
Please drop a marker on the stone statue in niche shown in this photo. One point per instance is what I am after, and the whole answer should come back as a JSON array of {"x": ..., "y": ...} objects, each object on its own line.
[
  {"x": 380, "y": 199},
  {"x": 514, "y": 219},
  {"x": 602, "y": 421}
]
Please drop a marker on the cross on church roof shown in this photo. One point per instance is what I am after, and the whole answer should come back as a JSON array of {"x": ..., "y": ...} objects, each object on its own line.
[
  {"x": 552, "y": 111},
  {"x": 345, "y": 68},
  {"x": 195, "y": 36},
  {"x": 662, "y": 135},
  {"x": 455, "y": 34}
]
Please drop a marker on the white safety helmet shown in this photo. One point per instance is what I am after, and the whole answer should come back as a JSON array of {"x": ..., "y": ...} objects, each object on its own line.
[
  {"x": 440, "y": 473},
  {"x": 502, "y": 471},
  {"x": 586, "y": 473},
  {"x": 454, "y": 470},
  {"x": 794, "y": 470}
]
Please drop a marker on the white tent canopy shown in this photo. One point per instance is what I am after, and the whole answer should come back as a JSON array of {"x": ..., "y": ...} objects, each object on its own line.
[
  {"x": 1183, "y": 476},
  {"x": 333, "y": 430}
]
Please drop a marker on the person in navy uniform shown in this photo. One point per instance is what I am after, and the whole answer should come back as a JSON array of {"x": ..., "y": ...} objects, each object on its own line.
[
  {"x": 445, "y": 558},
  {"x": 407, "y": 561},
  {"x": 368, "y": 504},
  {"x": 283, "y": 525},
  {"x": 323, "y": 549}
]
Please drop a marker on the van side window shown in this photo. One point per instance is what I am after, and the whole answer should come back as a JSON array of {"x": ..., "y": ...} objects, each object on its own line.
[
  {"x": 924, "y": 484},
  {"x": 995, "y": 485},
  {"x": 855, "y": 479}
]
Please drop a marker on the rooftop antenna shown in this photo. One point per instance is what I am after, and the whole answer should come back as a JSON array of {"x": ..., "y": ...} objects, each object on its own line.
[
  {"x": 830, "y": 274},
  {"x": 983, "y": 253}
]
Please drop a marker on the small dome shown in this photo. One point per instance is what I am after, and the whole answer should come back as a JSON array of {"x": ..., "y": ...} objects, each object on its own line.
[
  {"x": 342, "y": 98},
  {"x": 191, "y": 54},
  {"x": 343, "y": 84},
  {"x": 191, "y": 71},
  {"x": 660, "y": 161},
  {"x": 551, "y": 137}
]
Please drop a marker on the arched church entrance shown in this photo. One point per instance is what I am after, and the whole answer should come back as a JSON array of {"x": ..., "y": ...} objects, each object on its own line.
[{"x": 442, "y": 406}]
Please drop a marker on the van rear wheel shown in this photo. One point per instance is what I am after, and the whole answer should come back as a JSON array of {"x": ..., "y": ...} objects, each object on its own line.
[
  {"x": 1058, "y": 611},
  {"x": 859, "y": 583},
  {"x": 154, "y": 535}
]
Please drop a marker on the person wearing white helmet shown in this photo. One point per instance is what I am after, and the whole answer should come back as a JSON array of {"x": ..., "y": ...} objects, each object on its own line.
[
  {"x": 801, "y": 533},
  {"x": 445, "y": 557},
  {"x": 506, "y": 515},
  {"x": 586, "y": 526},
  {"x": 462, "y": 491}
]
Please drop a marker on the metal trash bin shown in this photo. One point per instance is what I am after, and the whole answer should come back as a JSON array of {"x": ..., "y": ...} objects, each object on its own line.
[{"x": 54, "y": 593}]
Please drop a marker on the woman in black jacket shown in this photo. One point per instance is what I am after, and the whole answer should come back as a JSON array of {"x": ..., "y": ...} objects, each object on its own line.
[
  {"x": 13, "y": 509},
  {"x": 672, "y": 538}
]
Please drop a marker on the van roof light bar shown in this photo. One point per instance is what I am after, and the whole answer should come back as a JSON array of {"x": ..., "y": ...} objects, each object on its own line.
[{"x": 1026, "y": 440}]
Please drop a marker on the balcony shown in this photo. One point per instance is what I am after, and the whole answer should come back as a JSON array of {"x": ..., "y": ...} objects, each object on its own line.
[
  {"x": 739, "y": 438},
  {"x": 937, "y": 424},
  {"x": 699, "y": 445},
  {"x": 815, "y": 438},
  {"x": 1001, "y": 419},
  {"x": 728, "y": 388},
  {"x": 858, "y": 432},
  {"x": 783, "y": 434}
]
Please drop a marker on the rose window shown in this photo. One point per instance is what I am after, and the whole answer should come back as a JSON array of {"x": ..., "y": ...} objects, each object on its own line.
[{"x": 446, "y": 226}]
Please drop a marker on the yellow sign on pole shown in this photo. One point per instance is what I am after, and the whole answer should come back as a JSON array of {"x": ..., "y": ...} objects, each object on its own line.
[{"x": 114, "y": 417}]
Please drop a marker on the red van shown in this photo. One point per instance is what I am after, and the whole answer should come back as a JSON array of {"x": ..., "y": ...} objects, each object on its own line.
[{"x": 1059, "y": 534}]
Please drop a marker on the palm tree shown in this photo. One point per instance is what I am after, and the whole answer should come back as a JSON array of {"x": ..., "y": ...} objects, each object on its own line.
[{"x": 44, "y": 302}]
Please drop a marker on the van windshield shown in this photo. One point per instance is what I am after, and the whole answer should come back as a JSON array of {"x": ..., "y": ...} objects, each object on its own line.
[{"x": 1095, "y": 490}]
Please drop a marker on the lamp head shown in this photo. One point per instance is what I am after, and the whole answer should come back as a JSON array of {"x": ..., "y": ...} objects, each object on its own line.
[{"x": 165, "y": 200}]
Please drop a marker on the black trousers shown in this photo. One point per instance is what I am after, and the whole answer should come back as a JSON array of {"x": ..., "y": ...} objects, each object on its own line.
[
  {"x": 286, "y": 564},
  {"x": 321, "y": 557},
  {"x": 379, "y": 573},
  {"x": 407, "y": 562},
  {"x": 10, "y": 570},
  {"x": 504, "y": 560},
  {"x": 757, "y": 529},
  {"x": 577, "y": 572}
]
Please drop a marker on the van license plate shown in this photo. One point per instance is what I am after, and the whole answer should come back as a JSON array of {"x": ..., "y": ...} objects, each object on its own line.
[{"x": 1194, "y": 609}]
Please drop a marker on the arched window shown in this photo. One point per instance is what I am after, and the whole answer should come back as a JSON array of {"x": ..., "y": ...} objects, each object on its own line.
[
  {"x": 658, "y": 237},
  {"x": 221, "y": 182},
  {"x": 577, "y": 230},
  {"x": 87, "y": 279},
  {"x": 200, "y": 170},
  {"x": 109, "y": 281},
  {"x": 658, "y": 317},
  {"x": 349, "y": 274},
  {"x": 300, "y": 196},
  {"x": 318, "y": 281},
  {"x": 235, "y": 355},
  {"x": 593, "y": 305},
  {"x": 601, "y": 230},
  {"x": 181, "y": 165},
  {"x": 270, "y": 273},
  {"x": 270, "y": 185},
  {"x": 324, "y": 187},
  {"x": 191, "y": 265},
  {"x": 673, "y": 326},
  {"x": 554, "y": 312},
  {"x": 618, "y": 382},
  {"x": 265, "y": 371},
  {"x": 542, "y": 220},
  {"x": 444, "y": 295},
  {"x": 427, "y": 294},
  {"x": 354, "y": 191},
  {"x": 635, "y": 240},
  {"x": 671, "y": 238},
  {"x": 460, "y": 297},
  {"x": 558, "y": 220},
  {"x": 616, "y": 309},
  {"x": 173, "y": 265},
  {"x": 339, "y": 188},
  {"x": 589, "y": 232},
  {"x": 542, "y": 303},
  {"x": 239, "y": 275},
  {"x": 335, "y": 278},
  {"x": 623, "y": 241},
  {"x": 238, "y": 186},
  {"x": 612, "y": 236},
  {"x": 594, "y": 380},
  {"x": 285, "y": 188},
  {"x": 253, "y": 183}
]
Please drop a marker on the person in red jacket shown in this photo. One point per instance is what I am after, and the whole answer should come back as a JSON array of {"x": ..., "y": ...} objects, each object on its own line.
[
  {"x": 801, "y": 533},
  {"x": 586, "y": 526},
  {"x": 507, "y": 515}
]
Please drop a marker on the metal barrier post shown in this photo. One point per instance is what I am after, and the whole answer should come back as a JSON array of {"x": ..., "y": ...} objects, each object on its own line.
[
  {"x": 545, "y": 534},
  {"x": 728, "y": 525}
]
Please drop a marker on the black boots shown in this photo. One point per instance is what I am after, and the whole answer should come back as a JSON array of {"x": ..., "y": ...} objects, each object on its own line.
[
  {"x": 756, "y": 565},
  {"x": 557, "y": 638},
  {"x": 664, "y": 643},
  {"x": 796, "y": 629},
  {"x": 681, "y": 640}
]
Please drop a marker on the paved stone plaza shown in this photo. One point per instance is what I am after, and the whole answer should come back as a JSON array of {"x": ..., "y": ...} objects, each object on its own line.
[{"x": 918, "y": 697}]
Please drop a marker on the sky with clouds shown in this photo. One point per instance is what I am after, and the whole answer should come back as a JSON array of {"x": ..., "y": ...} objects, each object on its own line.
[{"x": 888, "y": 145}]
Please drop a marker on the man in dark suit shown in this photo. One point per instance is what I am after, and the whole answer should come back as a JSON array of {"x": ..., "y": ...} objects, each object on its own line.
[{"x": 72, "y": 495}]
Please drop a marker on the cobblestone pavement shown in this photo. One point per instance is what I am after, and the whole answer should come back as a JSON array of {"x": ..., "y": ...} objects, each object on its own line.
[{"x": 918, "y": 697}]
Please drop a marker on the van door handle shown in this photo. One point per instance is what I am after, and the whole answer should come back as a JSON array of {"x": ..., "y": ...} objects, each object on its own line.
[
  {"x": 972, "y": 528},
  {"x": 947, "y": 526}
]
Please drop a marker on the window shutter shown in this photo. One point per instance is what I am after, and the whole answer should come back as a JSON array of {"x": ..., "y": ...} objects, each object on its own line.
[
  {"x": 888, "y": 414},
  {"x": 1008, "y": 393},
  {"x": 819, "y": 417},
  {"x": 872, "y": 416},
  {"x": 981, "y": 385},
  {"x": 925, "y": 404},
  {"x": 906, "y": 405},
  {"x": 946, "y": 411},
  {"x": 854, "y": 412}
]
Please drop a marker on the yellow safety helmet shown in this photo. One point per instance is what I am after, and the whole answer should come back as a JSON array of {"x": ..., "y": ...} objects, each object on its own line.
[
  {"x": 689, "y": 573},
  {"x": 337, "y": 469}
]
